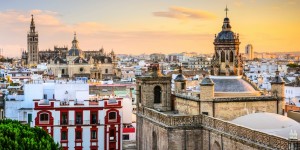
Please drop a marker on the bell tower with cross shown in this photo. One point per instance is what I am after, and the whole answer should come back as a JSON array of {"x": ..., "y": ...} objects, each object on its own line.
[{"x": 32, "y": 45}]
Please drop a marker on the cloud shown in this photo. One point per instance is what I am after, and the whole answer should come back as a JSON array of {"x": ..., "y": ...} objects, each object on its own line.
[
  {"x": 183, "y": 13},
  {"x": 93, "y": 35}
]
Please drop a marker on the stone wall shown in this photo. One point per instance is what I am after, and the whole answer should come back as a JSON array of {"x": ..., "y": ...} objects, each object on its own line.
[
  {"x": 207, "y": 92},
  {"x": 232, "y": 110},
  {"x": 187, "y": 106},
  {"x": 175, "y": 132}
]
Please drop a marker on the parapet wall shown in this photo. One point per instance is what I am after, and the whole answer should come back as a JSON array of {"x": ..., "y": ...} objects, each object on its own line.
[{"x": 239, "y": 134}]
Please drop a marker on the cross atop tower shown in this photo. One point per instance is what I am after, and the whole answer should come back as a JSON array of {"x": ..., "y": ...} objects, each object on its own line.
[{"x": 226, "y": 9}]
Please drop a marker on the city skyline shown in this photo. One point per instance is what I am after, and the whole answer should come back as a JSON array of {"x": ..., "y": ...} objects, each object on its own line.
[{"x": 133, "y": 27}]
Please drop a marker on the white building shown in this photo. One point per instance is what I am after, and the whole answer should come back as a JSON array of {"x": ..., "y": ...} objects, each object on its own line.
[{"x": 249, "y": 52}]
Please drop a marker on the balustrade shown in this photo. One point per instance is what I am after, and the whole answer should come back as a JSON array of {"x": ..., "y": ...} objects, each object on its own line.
[{"x": 219, "y": 125}]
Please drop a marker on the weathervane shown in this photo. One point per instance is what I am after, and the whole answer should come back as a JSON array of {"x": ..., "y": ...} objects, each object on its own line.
[{"x": 226, "y": 9}]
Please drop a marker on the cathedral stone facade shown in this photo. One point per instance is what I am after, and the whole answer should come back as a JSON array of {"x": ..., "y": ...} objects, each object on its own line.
[
  {"x": 175, "y": 121},
  {"x": 73, "y": 62}
]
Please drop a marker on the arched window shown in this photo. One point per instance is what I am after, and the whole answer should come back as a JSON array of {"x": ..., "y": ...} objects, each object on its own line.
[
  {"x": 157, "y": 94},
  {"x": 154, "y": 141},
  {"x": 222, "y": 56},
  {"x": 231, "y": 56}
]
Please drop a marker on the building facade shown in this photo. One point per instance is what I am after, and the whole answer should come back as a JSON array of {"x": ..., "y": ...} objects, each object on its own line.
[
  {"x": 249, "y": 52},
  {"x": 89, "y": 124}
]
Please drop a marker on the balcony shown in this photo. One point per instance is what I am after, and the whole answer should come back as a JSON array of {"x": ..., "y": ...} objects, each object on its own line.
[{"x": 78, "y": 122}]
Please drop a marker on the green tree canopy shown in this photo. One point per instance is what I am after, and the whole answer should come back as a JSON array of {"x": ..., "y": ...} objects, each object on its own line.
[
  {"x": 16, "y": 136},
  {"x": 293, "y": 65}
]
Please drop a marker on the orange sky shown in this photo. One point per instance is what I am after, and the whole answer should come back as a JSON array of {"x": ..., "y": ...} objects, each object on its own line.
[{"x": 133, "y": 27}]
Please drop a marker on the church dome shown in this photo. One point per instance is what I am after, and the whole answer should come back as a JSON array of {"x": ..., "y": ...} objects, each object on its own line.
[
  {"x": 225, "y": 35},
  {"x": 270, "y": 123},
  {"x": 75, "y": 50}
]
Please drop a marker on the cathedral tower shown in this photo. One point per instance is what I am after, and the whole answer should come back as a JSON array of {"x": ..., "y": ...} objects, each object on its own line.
[
  {"x": 32, "y": 45},
  {"x": 227, "y": 60}
]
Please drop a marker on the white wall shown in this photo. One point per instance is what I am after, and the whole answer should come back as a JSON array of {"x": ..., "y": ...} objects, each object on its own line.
[
  {"x": 127, "y": 110},
  {"x": 60, "y": 90}
]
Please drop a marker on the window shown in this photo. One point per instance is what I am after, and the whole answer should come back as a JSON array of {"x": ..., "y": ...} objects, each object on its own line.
[
  {"x": 93, "y": 134},
  {"x": 111, "y": 134},
  {"x": 44, "y": 117},
  {"x": 106, "y": 70},
  {"x": 205, "y": 113},
  {"x": 64, "y": 118},
  {"x": 125, "y": 136},
  {"x": 231, "y": 56},
  {"x": 140, "y": 93},
  {"x": 157, "y": 94},
  {"x": 182, "y": 86},
  {"x": 64, "y": 135},
  {"x": 222, "y": 56},
  {"x": 81, "y": 69},
  {"x": 62, "y": 71},
  {"x": 45, "y": 96},
  {"x": 78, "y": 118},
  {"x": 94, "y": 118},
  {"x": 112, "y": 116},
  {"x": 78, "y": 135}
]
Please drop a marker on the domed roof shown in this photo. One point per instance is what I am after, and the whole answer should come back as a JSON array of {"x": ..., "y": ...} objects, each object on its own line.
[
  {"x": 269, "y": 123},
  {"x": 225, "y": 35},
  {"x": 180, "y": 76},
  {"x": 231, "y": 84},
  {"x": 207, "y": 81},
  {"x": 75, "y": 50}
]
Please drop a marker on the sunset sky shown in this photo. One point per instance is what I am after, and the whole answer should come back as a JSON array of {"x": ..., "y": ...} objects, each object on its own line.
[{"x": 136, "y": 27}]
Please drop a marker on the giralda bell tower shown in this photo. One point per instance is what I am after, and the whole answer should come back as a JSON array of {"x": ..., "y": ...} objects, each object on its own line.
[{"x": 32, "y": 45}]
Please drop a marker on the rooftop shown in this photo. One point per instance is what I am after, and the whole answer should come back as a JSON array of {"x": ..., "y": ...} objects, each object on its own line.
[{"x": 231, "y": 84}]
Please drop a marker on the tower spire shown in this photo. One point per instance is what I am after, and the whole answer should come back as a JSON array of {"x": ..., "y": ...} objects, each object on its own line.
[{"x": 226, "y": 9}]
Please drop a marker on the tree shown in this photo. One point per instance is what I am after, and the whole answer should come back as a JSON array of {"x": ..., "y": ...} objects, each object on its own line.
[
  {"x": 293, "y": 65},
  {"x": 14, "y": 135}
]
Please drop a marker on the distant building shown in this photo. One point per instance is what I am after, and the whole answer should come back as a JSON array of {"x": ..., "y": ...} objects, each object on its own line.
[
  {"x": 32, "y": 45},
  {"x": 249, "y": 52},
  {"x": 157, "y": 57},
  {"x": 74, "y": 62}
]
